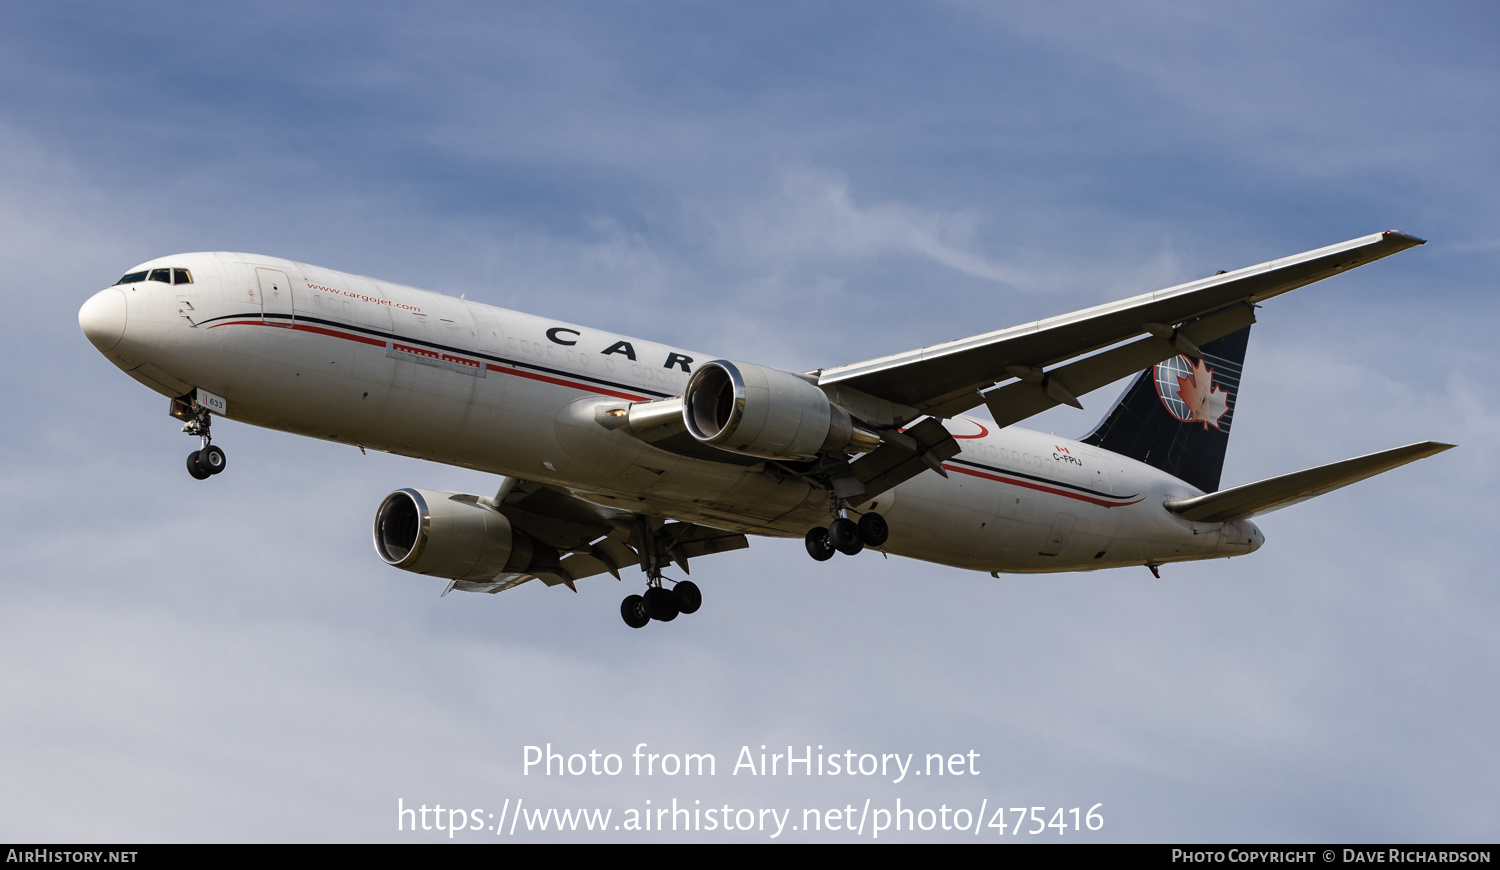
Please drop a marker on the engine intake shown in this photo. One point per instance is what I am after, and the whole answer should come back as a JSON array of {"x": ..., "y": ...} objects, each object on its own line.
[
  {"x": 768, "y": 413},
  {"x": 449, "y": 535}
]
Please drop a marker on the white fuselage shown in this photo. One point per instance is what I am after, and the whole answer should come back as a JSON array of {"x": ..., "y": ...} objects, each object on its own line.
[{"x": 350, "y": 359}]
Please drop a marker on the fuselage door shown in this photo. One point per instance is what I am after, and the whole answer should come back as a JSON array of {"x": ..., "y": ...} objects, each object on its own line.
[
  {"x": 276, "y": 307},
  {"x": 1059, "y": 537}
]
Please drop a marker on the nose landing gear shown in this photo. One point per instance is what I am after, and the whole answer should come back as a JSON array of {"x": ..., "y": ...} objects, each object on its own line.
[{"x": 207, "y": 460}]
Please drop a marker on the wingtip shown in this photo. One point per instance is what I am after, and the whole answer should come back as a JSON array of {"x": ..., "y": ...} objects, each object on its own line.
[
  {"x": 1405, "y": 237},
  {"x": 1425, "y": 449}
]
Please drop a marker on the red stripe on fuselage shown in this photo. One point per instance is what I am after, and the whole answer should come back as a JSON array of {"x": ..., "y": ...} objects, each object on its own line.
[
  {"x": 548, "y": 379},
  {"x": 362, "y": 339},
  {"x": 445, "y": 357},
  {"x": 1041, "y": 488},
  {"x": 238, "y": 323},
  {"x": 982, "y": 430}
]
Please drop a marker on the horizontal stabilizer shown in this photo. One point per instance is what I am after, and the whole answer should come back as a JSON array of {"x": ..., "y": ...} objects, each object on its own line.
[{"x": 1264, "y": 496}]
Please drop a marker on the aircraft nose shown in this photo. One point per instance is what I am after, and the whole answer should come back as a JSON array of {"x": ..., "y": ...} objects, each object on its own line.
[{"x": 103, "y": 319}]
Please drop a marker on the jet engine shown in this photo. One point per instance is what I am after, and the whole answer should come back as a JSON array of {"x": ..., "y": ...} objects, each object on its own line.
[
  {"x": 768, "y": 413},
  {"x": 450, "y": 535}
]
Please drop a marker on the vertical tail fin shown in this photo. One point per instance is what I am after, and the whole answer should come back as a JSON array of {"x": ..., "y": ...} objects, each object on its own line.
[{"x": 1175, "y": 416}]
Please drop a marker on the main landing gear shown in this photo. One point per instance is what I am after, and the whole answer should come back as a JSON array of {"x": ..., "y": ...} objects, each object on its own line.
[
  {"x": 207, "y": 460},
  {"x": 659, "y": 602},
  {"x": 844, "y": 535}
]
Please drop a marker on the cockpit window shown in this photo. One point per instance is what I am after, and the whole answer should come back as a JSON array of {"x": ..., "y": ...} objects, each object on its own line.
[{"x": 166, "y": 276}]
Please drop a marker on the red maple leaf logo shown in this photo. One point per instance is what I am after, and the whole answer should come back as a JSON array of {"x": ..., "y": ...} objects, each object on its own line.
[{"x": 1206, "y": 403}]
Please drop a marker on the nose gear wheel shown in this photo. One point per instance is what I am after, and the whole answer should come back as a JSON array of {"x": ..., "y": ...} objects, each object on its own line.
[{"x": 207, "y": 460}]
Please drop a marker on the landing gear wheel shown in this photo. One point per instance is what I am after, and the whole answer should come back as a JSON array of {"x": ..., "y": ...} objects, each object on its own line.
[
  {"x": 687, "y": 597},
  {"x": 211, "y": 459},
  {"x": 873, "y": 529},
  {"x": 818, "y": 545},
  {"x": 197, "y": 471},
  {"x": 845, "y": 536},
  {"x": 633, "y": 610},
  {"x": 660, "y": 604}
]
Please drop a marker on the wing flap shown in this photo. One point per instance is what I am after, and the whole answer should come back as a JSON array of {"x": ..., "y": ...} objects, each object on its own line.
[
  {"x": 684, "y": 541},
  {"x": 1017, "y": 401},
  {"x": 923, "y": 447},
  {"x": 606, "y": 556},
  {"x": 1264, "y": 496},
  {"x": 931, "y": 378},
  {"x": 677, "y": 541},
  {"x": 576, "y": 538}
]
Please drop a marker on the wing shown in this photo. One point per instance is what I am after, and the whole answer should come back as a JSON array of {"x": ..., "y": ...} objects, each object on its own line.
[
  {"x": 947, "y": 379},
  {"x": 1045, "y": 363},
  {"x": 591, "y": 539}
]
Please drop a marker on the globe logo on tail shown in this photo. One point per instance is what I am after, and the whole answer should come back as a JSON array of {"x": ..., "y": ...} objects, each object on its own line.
[{"x": 1188, "y": 391}]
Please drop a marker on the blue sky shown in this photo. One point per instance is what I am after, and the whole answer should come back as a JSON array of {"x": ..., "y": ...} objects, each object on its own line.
[{"x": 802, "y": 185}]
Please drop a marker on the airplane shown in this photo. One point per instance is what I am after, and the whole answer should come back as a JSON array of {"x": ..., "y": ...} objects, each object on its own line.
[{"x": 615, "y": 451}]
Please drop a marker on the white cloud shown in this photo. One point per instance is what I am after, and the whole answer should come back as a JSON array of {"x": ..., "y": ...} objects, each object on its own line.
[{"x": 813, "y": 216}]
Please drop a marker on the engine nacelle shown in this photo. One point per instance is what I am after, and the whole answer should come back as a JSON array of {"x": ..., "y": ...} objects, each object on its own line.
[
  {"x": 449, "y": 535},
  {"x": 767, "y": 412}
]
